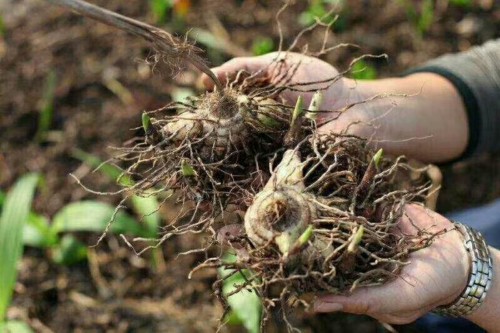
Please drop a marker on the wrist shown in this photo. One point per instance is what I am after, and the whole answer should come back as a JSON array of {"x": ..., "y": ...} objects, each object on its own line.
[
  {"x": 486, "y": 315},
  {"x": 420, "y": 115},
  {"x": 462, "y": 271},
  {"x": 460, "y": 266},
  {"x": 479, "y": 276}
]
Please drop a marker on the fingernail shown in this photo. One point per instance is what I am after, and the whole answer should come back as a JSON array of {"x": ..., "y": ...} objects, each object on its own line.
[{"x": 320, "y": 306}]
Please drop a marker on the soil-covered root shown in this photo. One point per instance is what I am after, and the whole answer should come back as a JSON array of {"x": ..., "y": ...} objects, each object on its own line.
[{"x": 327, "y": 221}]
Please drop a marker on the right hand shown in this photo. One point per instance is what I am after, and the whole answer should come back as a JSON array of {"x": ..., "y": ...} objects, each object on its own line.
[{"x": 435, "y": 276}]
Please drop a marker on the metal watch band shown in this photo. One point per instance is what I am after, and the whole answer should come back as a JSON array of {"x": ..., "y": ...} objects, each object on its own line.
[{"x": 480, "y": 277}]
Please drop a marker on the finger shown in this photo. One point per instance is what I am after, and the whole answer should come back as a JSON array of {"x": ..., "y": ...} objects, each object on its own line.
[
  {"x": 392, "y": 297},
  {"x": 356, "y": 303},
  {"x": 229, "y": 69}
]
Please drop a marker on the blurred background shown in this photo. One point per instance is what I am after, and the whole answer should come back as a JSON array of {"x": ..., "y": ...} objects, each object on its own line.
[{"x": 70, "y": 88}]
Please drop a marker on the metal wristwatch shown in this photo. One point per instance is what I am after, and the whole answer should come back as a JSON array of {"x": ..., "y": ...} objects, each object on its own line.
[{"x": 480, "y": 276}]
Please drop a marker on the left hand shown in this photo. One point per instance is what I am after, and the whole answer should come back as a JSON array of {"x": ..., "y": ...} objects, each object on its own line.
[{"x": 435, "y": 276}]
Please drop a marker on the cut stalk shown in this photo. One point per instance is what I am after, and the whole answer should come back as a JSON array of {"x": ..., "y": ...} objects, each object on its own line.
[{"x": 165, "y": 42}]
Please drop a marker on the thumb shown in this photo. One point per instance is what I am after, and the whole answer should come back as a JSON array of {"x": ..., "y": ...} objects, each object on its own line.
[
  {"x": 229, "y": 70},
  {"x": 370, "y": 300},
  {"x": 357, "y": 303}
]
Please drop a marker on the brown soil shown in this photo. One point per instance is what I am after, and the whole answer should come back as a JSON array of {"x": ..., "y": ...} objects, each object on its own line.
[{"x": 117, "y": 291}]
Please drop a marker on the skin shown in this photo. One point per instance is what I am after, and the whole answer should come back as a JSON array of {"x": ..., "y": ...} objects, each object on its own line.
[{"x": 421, "y": 116}]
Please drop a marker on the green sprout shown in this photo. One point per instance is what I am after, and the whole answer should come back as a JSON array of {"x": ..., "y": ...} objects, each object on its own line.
[
  {"x": 377, "y": 158},
  {"x": 361, "y": 70},
  {"x": 46, "y": 107}
]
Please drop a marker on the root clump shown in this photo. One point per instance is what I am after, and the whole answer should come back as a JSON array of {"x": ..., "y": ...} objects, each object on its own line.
[{"x": 319, "y": 213}]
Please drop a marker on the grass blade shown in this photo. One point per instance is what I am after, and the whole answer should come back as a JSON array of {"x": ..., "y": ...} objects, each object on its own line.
[
  {"x": 46, "y": 107},
  {"x": 15, "y": 213}
]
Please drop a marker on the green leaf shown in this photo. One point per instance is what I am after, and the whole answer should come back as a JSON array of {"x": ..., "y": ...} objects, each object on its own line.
[
  {"x": 15, "y": 326},
  {"x": 363, "y": 71},
  {"x": 462, "y": 3},
  {"x": 46, "y": 106},
  {"x": 3, "y": 29},
  {"x": 93, "y": 216},
  {"x": 146, "y": 122},
  {"x": 147, "y": 208},
  {"x": 2, "y": 198},
  {"x": 317, "y": 10},
  {"x": 427, "y": 17},
  {"x": 262, "y": 45},
  {"x": 69, "y": 252},
  {"x": 187, "y": 169},
  {"x": 245, "y": 304},
  {"x": 377, "y": 158},
  {"x": 15, "y": 213},
  {"x": 37, "y": 232},
  {"x": 160, "y": 8},
  {"x": 107, "y": 169}
]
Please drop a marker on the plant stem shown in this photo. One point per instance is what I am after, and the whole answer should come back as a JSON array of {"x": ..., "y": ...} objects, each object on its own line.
[{"x": 168, "y": 43}]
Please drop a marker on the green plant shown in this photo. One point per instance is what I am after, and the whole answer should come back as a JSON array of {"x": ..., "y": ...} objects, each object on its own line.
[
  {"x": 46, "y": 106},
  {"x": 179, "y": 9},
  {"x": 262, "y": 45},
  {"x": 146, "y": 206},
  {"x": 160, "y": 9},
  {"x": 3, "y": 30},
  {"x": 422, "y": 19},
  {"x": 361, "y": 70},
  {"x": 318, "y": 9},
  {"x": 462, "y": 3},
  {"x": 245, "y": 304},
  {"x": 82, "y": 216},
  {"x": 14, "y": 215}
]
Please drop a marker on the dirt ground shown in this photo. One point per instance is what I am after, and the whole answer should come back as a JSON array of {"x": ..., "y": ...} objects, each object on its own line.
[{"x": 103, "y": 84}]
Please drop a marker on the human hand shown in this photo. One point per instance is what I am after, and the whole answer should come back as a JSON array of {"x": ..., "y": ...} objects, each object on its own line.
[
  {"x": 421, "y": 116},
  {"x": 336, "y": 93},
  {"x": 436, "y": 275}
]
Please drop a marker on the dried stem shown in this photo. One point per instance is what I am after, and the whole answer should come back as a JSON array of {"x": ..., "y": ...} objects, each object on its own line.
[{"x": 165, "y": 43}]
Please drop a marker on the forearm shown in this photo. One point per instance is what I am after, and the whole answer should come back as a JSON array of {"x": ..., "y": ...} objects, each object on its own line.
[
  {"x": 428, "y": 123},
  {"x": 488, "y": 314}
]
